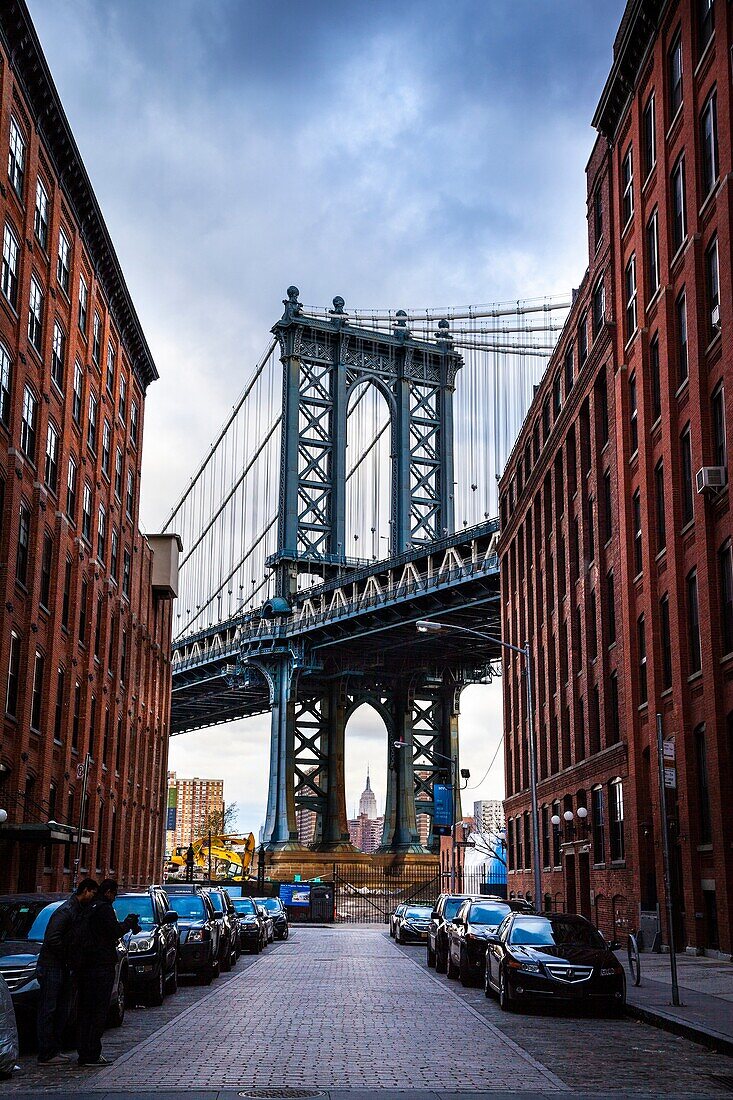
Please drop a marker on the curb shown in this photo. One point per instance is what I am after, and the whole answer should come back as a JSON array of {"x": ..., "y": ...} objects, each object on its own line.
[{"x": 711, "y": 1039}]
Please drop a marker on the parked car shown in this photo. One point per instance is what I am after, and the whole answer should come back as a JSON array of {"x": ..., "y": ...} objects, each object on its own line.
[
  {"x": 443, "y": 913},
  {"x": 153, "y": 952},
  {"x": 23, "y": 921},
  {"x": 267, "y": 921},
  {"x": 476, "y": 919},
  {"x": 252, "y": 931},
  {"x": 198, "y": 932},
  {"x": 279, "y": 915},
  {"x": 229, "y": 926},
  {"x": 412, "y": 923},
  {"x": 557, "y": 956},
  {"x": 394, "y": 917}
]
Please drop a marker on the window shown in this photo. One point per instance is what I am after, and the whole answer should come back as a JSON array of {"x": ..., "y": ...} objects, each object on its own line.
[
  {"x": 717, "y": 409},
  {"x": 630, "y": 296},
  {"x": 24, "y": 538},
  {"x": 35, "y": 315},
  {"x": 633, "y": 415},
  {"x": 63, "y": 263},
  {"x": 709, "y": 143},
  {"x": 5, "y": 382},
  {"x": 686, "y": 472},
  {"x": 599, "y": 306},
  {"x": 712, "y": 286},
  {"x": 92, "y": 423},
  {"x": 636, "y": 530},
  {"x": 611, "y": 608},
  {"x": 58, "y": 715},
  {"x": 652, "y": 249},
  {"x": 126, "y": 567},
  {"x": 616, "y": 819},
  {"x": 648, "y": 136},
  {"x": 641, "y": 645},
  {"x": 661, "y": 523},
  {"x": 556, "y": 396},
  {"x": 693, "y": 624},
  {"x": 76, "y": 716},
  {"x": 83, "y": 600},
  {"x": 123, "y": 657},
  {"x": 703, "y": 785},
  {"x": 28, "y": 424},
  {"x": 67, "y": 595},
  {"x": 51, "y": 473},
  {"x": 725, "y": 569},
  {"x": 568, "y": 369},
  {"x": 666, "y": 642},
  {"x": 656, "y": 381},
  {"x": 46, "y": 561},
  {"x": 591, "y": 531},
  {"x": 111, "y": 356},
  {"x": 123, "y": 398},
  {"x": 106, "y": 446},
  {"x": 598, "y": 217},
  {"x": 96, "y": 338},
  {"x": 705, "y": 23},
  {"x": 597, "y": 822},
  {"x": 681, "y": 333},
  {"x": 118, "y": 473},
  {"x": 627, "y": 187},
  {"x": 134, "y": 420},
  {"x": 11, "y": 692},
  {"x": 601, "y": 404},
  {"x": 101, "y": 533},
  {"x": 675, "y": 77},
  {"x": 40, "y": 215},
  {"x": 592, "y": 627},
  {"x": 86, "y": 512},
  {"x": 607, "y": 506},
  {"x": 614, "y": 735},
  {"x": 582, "y": 341},
  {"x": 58, "y": 354},
  {"x": 10, "y": 266},
  {"x": 83, "y": 304},
  {"x": 679, "y": 219},
  {"x": 78, "y": 394},
  {"x": 16, "y": 158},
  {"x": 130, "y": 497},
  {"x": 114, "y": 553},
  {"x": 98, "y": 626},
  {"x": 71, "y": 489}
]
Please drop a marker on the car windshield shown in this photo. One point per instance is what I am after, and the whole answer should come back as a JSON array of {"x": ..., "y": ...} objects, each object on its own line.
[
  {"x": 419, "y": 912},
  {"x": 554, "y": 932},
  {"x": 451, "y": 907},
  {"x": 188, "y": 906},
  {"x": 244, "y": 905},
  {"x": 25, "y": 920},
  {"x": 488, "y": 914},
  {"x": 271, "y": 904},
  {"x": 215, "y": 899},
  {"x": 141, "y": 904}
]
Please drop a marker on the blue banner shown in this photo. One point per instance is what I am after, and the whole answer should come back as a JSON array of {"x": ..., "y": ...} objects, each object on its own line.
[
  {"x": 443, "y": 813},
  {"x": 170, "y": 823}
]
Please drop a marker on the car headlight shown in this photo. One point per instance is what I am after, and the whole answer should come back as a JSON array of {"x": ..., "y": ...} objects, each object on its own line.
[
  {"x": 143, "y": 944},
  {"x": 530, "y": 968}
]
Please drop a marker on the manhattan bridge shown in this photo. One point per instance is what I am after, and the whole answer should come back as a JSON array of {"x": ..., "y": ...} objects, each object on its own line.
[{"x": 351, "y": 493}]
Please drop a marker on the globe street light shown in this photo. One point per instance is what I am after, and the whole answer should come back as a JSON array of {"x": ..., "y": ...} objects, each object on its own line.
[{"x": 429, "y": 626}]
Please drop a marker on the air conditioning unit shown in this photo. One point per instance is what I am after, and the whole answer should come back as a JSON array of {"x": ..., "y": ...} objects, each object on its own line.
[{"x": 711, "y": 478}]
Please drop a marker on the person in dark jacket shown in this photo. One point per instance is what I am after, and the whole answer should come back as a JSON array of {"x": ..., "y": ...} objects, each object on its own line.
[
  {"x": 96, "y": 973},
  {"x": 53, "y": 972}
]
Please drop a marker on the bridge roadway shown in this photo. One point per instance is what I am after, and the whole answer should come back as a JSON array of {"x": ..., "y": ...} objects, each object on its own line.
[{"x": 344, "y": 1012}]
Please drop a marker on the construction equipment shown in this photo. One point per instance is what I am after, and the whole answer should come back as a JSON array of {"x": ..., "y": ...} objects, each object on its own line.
[{"x": 229, "y": 856}]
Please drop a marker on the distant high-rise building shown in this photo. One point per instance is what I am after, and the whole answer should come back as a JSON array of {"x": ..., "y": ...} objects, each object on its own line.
[
  {"x": 368, "y": 801},
  {"x": 305, "y": 819},
  {"x": 489, "y": 815},
  {"x": 193, "y": 802},
  {"x": 365, "y": 833}
]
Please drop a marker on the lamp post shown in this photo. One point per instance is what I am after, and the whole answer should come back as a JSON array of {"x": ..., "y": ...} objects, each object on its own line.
[{"x": 429, "y": 626}]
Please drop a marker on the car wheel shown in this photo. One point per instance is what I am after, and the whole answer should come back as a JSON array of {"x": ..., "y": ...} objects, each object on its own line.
[
  {"x": 156, "y": 990},
  {"x": 505, "y": 1002},
  {"x": 465, "y": 971},
  {"x": 441, "y": 960},
  {"x": 116, "y": 1013},
  {"x": 431, "y": 957},
  {"x": 451, "y": 968},
  {"x": 172, "y": 982}
]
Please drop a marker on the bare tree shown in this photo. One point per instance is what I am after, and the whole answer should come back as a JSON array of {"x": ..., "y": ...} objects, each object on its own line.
[{"x": 221, "y": 821}]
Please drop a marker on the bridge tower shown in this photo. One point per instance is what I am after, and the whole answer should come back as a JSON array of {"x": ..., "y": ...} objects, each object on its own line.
[{"x": 324, "y": 359}]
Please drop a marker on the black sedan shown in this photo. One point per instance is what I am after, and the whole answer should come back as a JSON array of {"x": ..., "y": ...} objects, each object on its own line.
[
  {"x": 153, "y": 951},
  {"x": 552, "y": 957},
  {"x": 198, "y": 932},
  {"x": 467, "y": 936},
  {"x": 276, "y": 910},
  {"x": 412, "y": 923},
  {"x": 252, "y": 933}
]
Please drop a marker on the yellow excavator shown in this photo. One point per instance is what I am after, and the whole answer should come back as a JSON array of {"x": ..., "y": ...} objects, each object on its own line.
[{"x": 231, "y": 857}]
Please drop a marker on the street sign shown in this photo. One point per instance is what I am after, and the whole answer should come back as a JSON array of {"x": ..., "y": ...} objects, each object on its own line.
[
  {"x": 670, "y": 778},
  {"x": 668, "y": 750},
  {"x": 443, "y": 811},
  {"x": 80, "y": 770}
]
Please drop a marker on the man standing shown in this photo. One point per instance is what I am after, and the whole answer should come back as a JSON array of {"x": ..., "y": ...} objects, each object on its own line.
[
  {"x": 54, "y": 972},
  {"x": 96, "y": 974}
]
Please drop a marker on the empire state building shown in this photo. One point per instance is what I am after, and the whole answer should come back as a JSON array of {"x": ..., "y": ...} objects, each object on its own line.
[{"x": 368, "y": 801}]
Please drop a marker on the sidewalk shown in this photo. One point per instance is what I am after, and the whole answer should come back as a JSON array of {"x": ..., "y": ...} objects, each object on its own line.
[{"x": 706, "y": 992}]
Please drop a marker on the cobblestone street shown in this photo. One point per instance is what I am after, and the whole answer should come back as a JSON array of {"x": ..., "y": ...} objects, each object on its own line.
[{"x": 345, "y": 1009}]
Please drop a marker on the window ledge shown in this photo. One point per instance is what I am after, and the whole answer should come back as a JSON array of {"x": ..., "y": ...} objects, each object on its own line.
[
  {"x": 667, "y": 693},
  {"x": 688, "y": 526},
  {"x": 650, "y": 177},
  {"x": 661, "y": 554},
  {"x": 726, "y": 657},
  {"x": 705, "y": 55},
  {"x": 643, "y": 706},
  {"x": 618, "y": 864},
  {"x": 654, "y": 300},
  {"x": 675, "y": 120},
  {"x": 630, "y": 340},
  {"x": 705, "y": 847},
  {"x": 695, "y": 676},
  {"x": 714, "y": 342},
  {"x": 709, "y": 200}
]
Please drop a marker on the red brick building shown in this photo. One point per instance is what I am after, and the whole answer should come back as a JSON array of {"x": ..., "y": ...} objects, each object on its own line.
[
  {"x": 85, "y": 606},
  {"x": 616, "y": 546}
]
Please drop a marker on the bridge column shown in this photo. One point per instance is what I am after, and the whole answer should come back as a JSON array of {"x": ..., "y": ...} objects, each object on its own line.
[
  {"x": 280, "y": 825},
  {"x": 400, "y": 825},
  {"x": 332, "y": 833}
]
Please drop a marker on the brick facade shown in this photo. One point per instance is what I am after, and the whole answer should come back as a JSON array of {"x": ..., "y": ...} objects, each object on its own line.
[
  {"x": 85, "y": 637},
  {"x": 610, "y": 458}
]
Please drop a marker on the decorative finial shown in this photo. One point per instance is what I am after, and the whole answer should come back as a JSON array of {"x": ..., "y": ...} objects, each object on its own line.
[
  {"x": 443, "y": 335},
  {"x": 401, "y": 330},
  {"x": 291, "y": 303},
  {"x": 338, "y": 306}
]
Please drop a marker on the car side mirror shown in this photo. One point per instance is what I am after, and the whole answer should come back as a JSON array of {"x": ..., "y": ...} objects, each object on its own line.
[
  {"x": 614, "y": 945},
  {"x": 492, "y": 938},
  {"x": 434, "y": 914},
  {"x": 170, "y": 916}
]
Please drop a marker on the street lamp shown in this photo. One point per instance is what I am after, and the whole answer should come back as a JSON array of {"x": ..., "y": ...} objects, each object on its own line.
[{"x": 429, "y": 626}]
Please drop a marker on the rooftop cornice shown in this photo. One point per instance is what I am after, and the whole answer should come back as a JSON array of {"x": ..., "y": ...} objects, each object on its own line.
[
  {"x": 32, "y": 73},
  {"x": 636, "y": 34}
]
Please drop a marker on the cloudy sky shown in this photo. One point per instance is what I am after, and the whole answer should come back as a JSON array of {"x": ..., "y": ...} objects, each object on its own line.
[{"x": 403, "y": 153}]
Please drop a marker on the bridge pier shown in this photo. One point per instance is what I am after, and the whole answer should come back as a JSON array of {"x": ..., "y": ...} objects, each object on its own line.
[
  {"x": 281, "y": 831},
  {"x": 400, "y": 820}
]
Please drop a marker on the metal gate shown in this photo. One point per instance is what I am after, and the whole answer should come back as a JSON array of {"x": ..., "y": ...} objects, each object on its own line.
[{"x": 368, "y": 894}]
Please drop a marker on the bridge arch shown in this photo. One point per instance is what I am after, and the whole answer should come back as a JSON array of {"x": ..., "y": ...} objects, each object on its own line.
[{"x": 371, "y": 469}]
